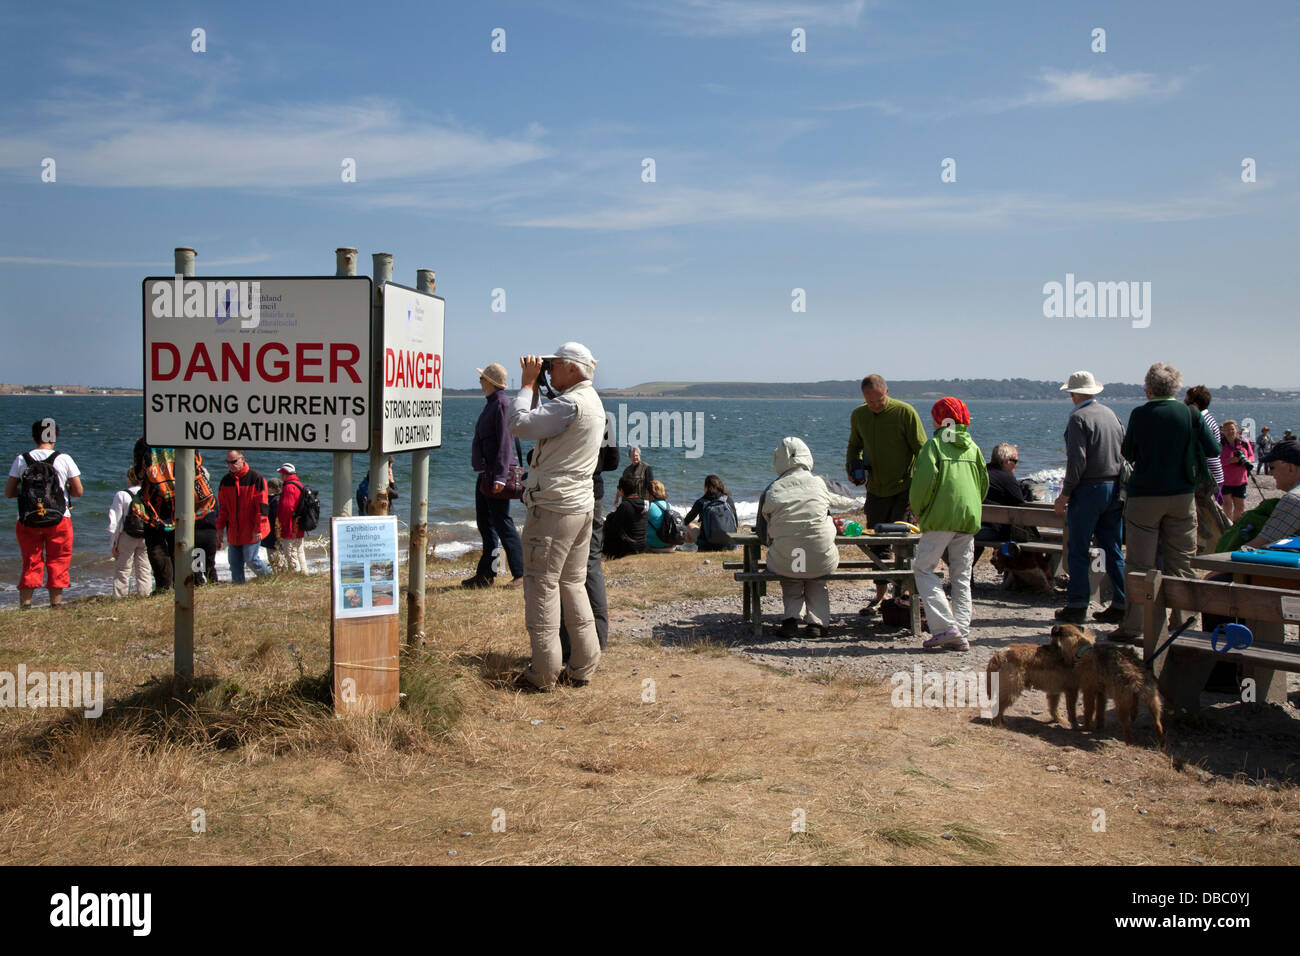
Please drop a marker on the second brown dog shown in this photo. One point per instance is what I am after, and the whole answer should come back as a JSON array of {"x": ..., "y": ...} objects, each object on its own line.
[{"x": 1109, "y": 670}]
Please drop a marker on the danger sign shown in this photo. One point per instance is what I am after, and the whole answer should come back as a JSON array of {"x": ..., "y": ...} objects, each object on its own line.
[
  {"x": 273, "y": 362},
  {"x": 411, "y": 404}
]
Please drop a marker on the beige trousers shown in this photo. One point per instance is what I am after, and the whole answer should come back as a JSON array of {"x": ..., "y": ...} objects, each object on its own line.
[
  {"x": 1169, "y": 520},
  {"x": 132, "y": 560},
  {"x": 555, "y": 573},
  {"x": 295, "y": 558},
  {"x": 806, "y": 599}
]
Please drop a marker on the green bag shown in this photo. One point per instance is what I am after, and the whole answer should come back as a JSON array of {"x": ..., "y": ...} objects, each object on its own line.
[{"x": 1247, "y": 526}]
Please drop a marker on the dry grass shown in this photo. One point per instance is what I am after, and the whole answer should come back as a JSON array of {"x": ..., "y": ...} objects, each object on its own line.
[{"x": 717, "y": 769}]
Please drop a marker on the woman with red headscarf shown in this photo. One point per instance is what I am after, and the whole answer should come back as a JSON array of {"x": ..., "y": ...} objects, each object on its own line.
[{"x": 947, "y": 498}]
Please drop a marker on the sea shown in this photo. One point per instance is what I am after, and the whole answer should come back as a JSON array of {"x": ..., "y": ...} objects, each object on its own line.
[{"x": 732, "y": 438}]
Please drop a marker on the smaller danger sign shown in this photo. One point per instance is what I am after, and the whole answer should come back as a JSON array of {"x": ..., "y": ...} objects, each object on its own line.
[{"x": 411, "y": 403}]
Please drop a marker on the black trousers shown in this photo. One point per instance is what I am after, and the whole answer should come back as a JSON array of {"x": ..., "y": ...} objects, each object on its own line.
[
  {"x": 159, "y": 545},
  {"x": 205, "y": 539},
  {"x": 595, "y": 585}
]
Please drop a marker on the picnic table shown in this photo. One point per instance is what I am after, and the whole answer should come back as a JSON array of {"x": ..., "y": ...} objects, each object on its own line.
[
  {"x": 754, "y": 576},
  {"x": 1267, "y": 632}
]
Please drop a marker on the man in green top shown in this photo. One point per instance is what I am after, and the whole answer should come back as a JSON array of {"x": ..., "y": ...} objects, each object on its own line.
[{"x": 884, "y": 438}]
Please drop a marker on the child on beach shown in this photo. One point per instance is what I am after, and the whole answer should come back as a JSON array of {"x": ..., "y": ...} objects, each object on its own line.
[
  {"x": 947, "y": 495},
  {"x": 126, "y": 541}
]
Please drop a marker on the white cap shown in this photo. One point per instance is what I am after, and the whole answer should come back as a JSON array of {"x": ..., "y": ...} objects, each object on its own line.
[
  {"x": 574, "y": 352},
  {"x": 288, "y": 469}
]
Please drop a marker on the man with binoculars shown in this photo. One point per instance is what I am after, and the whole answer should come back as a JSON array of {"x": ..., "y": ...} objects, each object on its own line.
[{"x": 558, "y": 494}]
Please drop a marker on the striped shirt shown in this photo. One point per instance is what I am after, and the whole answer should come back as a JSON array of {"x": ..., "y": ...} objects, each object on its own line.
[{"x": 1216, "y": 466}]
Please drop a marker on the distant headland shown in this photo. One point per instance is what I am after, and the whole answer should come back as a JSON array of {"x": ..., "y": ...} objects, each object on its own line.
[
  {"x": 46, "y": 390},
  {"x": 1007, "y": 389}
]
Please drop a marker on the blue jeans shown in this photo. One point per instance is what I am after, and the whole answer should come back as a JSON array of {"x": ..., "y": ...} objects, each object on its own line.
[
  {"x": 1095, "y": 508},
  {"x": 241, "y": 554},
  {"x": 494, "y": 523}
]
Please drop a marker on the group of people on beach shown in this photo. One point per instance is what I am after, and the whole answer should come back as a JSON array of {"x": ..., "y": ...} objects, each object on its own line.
[
  {"x": 1135, "y": 490},
  {"x": 246, "y": 514},
  {"x": 1141, "y": 492}
]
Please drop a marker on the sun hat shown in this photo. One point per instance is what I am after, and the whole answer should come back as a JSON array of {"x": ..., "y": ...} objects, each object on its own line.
[
  {"x": 494, "y": 373},
  {"x": 1083, "y": 383}
]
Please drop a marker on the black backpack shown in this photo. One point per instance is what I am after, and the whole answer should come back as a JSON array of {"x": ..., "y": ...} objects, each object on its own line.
[
  {"x": 307, "y": 511},
  {"x": 41, "y": 499},
  {"x": 717, "y": 522},
  {"x": 133, "y": 523},
  {"x": 672, "y": 530}
]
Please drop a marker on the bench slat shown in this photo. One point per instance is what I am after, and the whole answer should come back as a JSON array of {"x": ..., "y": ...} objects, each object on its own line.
[
  {"x": 1217, "y": 597},
  {"x": 1277, "y": 657},
  {"x": 837, "y": 576}
]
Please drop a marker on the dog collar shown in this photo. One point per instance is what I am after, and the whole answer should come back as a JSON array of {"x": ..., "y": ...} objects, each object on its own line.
[{"x": 1078, "y": 655}]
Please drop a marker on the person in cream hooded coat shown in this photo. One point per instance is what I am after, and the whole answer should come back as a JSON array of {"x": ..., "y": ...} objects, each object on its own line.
[{"x": 794, "y": 521}]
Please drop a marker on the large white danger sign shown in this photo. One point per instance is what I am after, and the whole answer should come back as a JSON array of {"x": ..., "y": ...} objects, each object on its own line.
[
  {"x": 411, "y": 403},
  {"x": 271, "y": 362}
]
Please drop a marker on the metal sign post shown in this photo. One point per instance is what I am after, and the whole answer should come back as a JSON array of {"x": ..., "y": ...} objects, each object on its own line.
[
  {"x": 345, "y": 266},
  {"x": 183, "y": 543},
  {"x": 425, "y": 284},
  {"x": 382, "y": 269}
]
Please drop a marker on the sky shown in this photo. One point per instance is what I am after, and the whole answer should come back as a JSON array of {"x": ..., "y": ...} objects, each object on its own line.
[{"x": 782, "y": 178}]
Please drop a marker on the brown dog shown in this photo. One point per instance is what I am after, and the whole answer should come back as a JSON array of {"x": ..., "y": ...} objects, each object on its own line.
[
  {"x": 1038, "y": 666},
  {"x": 1024, "y": 571},
  {"x": 1109, "y": 670}
]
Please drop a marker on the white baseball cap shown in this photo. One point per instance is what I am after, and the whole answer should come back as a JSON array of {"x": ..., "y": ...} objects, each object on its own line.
[
  {"x": 574, "y": 352},
  {"x": 288, "y": 469}
]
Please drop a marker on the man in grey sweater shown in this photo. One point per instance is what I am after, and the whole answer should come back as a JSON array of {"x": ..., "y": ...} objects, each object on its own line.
[{"x": 1090, "y": 498}]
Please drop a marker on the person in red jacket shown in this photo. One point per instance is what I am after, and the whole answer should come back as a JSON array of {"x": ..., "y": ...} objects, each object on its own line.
[
  {"x": 290, "y": 534},
  {"x": 242, "y": 516}
]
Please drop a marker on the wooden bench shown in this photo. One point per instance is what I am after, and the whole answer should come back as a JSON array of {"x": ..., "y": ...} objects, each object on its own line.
[
  {"x": 1183, "y": 668},
  {"x": 754, "y": 576},
  {"x": 1054, "y": 531}
]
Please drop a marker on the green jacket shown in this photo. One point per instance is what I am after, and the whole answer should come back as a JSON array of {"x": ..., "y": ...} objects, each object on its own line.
[
  {"x": 950, "y": 483},
  {"x": 1166, "y": 442},
  {"x": 886, "y": 444}
]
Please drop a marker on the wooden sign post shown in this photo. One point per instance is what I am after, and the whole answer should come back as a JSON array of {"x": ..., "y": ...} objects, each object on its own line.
[{"x": 363, "y": 614}]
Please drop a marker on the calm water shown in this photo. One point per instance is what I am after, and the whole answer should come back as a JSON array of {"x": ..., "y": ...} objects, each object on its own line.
[{"x": 738, "y": 438}]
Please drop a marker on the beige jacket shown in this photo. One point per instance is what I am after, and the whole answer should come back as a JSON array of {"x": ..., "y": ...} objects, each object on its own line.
[
  {"x": 793, "y": 514},
  {"x": 559, "y": 478}
]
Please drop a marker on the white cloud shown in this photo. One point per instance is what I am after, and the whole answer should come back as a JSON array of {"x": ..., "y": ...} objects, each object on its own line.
[
  {"x": 1084, "y": 86},
  {"x": 101, "y": 264},
  {"x": 271, "y": 147},
  {"x": 851, "y": 203},
  {"x": 746, "y": 18}
]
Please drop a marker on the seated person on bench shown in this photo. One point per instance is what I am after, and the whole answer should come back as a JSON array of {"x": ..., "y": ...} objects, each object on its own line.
[
  {"x": 794, "y": 521},
  {"x": 1284, "y": 466},
  {"x": 1004, "y": 489}
]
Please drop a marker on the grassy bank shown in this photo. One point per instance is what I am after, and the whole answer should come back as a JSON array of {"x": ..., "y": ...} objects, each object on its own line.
[{"x": 714, "y": 769}]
